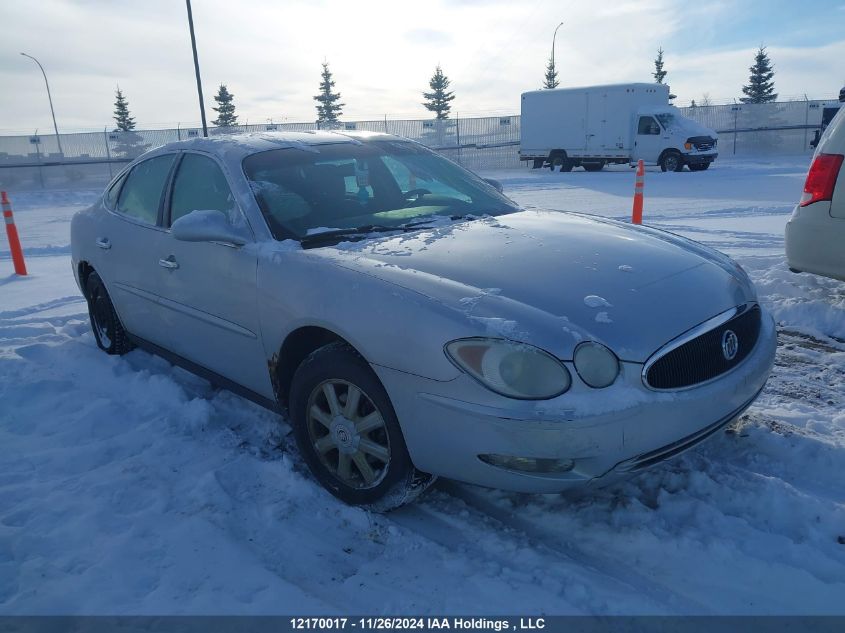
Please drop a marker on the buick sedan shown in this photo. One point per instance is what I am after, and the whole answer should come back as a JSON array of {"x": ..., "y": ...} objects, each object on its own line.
[{"x": 413, "y": 322}]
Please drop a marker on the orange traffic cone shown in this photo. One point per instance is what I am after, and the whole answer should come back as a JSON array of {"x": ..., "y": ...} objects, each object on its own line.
[
  {"x": 637, "y": 212},
  {"x": 12, "y": 233}
]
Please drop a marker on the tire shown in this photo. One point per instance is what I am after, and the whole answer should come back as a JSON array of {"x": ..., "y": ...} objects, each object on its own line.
[
  {"x": 558, "y": 158},
  {"x": 593, "y": 166},
  {"x": 330, "y": 436},
  {"x": 107, "y": 328},
  {"x": 671, "y": 161},
  {"x": 699, "y": 167},
  {"x": 538, "y": 163}
]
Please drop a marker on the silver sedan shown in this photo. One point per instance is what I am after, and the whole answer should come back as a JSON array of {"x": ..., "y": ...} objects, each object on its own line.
[{"x": 412, "y": 321}]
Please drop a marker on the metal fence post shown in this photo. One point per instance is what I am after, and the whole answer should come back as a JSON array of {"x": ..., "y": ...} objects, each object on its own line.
[
  {"x": 108, "y": 151},
  {"x": 806, "y": 120}
]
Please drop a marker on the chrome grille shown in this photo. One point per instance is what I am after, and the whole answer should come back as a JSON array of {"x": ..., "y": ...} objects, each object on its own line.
[{"x": 707, "y": 355}]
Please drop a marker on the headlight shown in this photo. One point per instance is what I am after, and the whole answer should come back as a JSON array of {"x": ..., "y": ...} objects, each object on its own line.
[
  {"x": 511, "y": 369},
  {"x": 597, "y": 365}
]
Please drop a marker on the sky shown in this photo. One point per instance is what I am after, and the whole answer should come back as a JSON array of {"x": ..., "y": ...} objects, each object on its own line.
[{"x": 383, "y": 53}]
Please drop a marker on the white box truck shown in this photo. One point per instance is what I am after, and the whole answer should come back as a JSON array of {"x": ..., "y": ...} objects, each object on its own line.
[{"x": 599, "y": 125}]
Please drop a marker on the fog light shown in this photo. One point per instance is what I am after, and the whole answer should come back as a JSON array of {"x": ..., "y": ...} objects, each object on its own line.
[{"x": 529, "y": 464}]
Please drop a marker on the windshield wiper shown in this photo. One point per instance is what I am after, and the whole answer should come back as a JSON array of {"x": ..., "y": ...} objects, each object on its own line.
[
  {"x": 361, "y": 232},
  {"x": 358, "y": 232}
]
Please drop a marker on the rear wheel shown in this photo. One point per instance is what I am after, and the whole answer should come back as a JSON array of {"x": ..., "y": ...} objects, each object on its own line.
[
  {"x": 699, "y": 167},
  {"x": 348, "y": 433},
  {"x": 108, "y": 331},
  {"x": 671, "y": 161}
]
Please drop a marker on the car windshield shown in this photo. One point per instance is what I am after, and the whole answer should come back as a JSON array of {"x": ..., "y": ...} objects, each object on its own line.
[{"x": 343, "y": 187}]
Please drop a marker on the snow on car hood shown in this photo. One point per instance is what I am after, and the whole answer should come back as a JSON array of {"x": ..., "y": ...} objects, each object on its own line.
[{"x": 553, "y": 279}]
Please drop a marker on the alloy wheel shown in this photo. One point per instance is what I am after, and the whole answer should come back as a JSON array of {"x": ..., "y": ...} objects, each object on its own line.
[{"x": 348, "y": 433}]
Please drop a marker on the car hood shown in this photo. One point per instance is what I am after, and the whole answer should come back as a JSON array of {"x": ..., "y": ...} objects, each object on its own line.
[{"x": 553, "y": 279}]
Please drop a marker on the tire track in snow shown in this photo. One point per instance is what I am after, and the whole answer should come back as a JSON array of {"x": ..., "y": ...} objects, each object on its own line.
[{"x": 428, "y": 521}]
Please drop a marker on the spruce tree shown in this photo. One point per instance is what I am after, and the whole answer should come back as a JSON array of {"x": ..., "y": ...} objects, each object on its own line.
[
  {"x": 761, "y": 87},
  {"x": 551, "y": 75},
  {"x": 660, "y": 74},
  {"x": 125, "y": 123},
  {"x": 128, "y": 143},
  {"x": 225, "y": 108},
  {"x": 329, "y": 108},
  {"x": 439, "y": 99}
]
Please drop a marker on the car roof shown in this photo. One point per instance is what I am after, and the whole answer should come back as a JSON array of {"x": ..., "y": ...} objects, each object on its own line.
[{"x": 235, "y": 147}]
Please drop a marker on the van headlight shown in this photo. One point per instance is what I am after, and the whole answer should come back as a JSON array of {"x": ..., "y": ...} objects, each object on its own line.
[
  {"x": 512, "y": 369},
  {"x": 596, "y": 365}
]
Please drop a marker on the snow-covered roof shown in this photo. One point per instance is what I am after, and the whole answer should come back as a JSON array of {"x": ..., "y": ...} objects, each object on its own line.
[{"x": 238, "y": 146}]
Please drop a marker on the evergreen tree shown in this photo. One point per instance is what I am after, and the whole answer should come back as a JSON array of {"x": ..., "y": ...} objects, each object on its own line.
[
  {"x": 551, "y": 75},
  {"x": 439, "y": 99},
  {"x": 225, "y": 108},
  {"x": 329, "y": 108},
  {"x": 127, "y": 142},
  {"x": 660, "y": 74},
  {"x": 125, "y": 123},
  {"x": 692, "y": 104},
  {"x": 761, "y": 87}
]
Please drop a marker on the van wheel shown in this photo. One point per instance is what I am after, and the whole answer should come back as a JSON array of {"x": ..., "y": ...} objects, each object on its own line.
[
  {"x": 108, "y": 331},
  {"x": 699, "y": 167},
  {"x": 671, "y": 161},
  {"x": 348, "y": 433}
]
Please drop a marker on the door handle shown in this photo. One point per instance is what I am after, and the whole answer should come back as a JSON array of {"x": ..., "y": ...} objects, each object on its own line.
[
  {"x": 103, "y": 242},
  {"x": 170, "y": 263}
]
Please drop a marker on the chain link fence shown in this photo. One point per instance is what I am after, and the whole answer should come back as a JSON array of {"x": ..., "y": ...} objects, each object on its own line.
[{"x": 91, "y": 158}]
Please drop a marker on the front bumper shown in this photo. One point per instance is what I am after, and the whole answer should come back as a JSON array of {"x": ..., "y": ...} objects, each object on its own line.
[
  {"x": 607, "y": 433},
  {"x": 700, "y": 159}
]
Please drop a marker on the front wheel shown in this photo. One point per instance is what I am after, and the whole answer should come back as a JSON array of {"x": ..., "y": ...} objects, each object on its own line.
[
  {"x": 348, "y": 433},
  {"x": 671, "y": 161}
]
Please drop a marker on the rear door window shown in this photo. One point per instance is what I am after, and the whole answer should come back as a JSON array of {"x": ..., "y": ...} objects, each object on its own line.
[
  {"x": 141, "y": 194},
  {"x": 200, "y": 185}
]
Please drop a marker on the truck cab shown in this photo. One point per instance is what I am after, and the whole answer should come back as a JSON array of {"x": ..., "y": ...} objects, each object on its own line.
[{"x": 663, "y": 136}]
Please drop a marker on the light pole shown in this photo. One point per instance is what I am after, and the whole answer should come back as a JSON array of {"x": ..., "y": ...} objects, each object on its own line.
[
  {"x": 50, "y": 98},
  {"x": 554, "y": 37},
  {"x": 196, "y": 67}
]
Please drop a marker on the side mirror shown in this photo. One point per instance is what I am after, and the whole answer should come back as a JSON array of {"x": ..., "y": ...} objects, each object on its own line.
[
  {"x": 495, "y": 184},
  {"x": 207, "y": 226}
]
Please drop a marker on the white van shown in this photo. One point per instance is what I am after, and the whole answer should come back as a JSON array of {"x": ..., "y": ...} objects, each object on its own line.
[{"x": 598, "y": 125}]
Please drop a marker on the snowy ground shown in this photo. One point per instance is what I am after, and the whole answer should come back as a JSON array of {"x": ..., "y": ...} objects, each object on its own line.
[{"x": 129, "y": 486}]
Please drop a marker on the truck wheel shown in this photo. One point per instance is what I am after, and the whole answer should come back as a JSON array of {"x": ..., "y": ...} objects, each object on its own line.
[
  {"x": 593, "y": 166},
  {"x": 699, "y": 167},
  {"x": 557, "y": 158},
  {"x": 671, "y": 161},
  {"x": 538, "y": 163},
  {"x": 566, "y": 165}
]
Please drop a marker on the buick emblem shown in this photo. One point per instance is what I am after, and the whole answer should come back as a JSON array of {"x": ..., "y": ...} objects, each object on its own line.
[{"x": 730, "y": 345}]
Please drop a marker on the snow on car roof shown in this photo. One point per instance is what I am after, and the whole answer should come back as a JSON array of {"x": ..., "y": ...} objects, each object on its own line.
[{"x": 238, "y": 146}]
